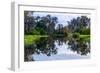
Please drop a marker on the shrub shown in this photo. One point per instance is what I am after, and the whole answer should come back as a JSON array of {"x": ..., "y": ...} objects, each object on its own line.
[
  {"x": 43, "y": 32},
  {"x": 66, "y": 34},
  {"x": 35, "y": 32},
  {"x": 85, "y": 31},
  {"x": 75, "y": 35}
]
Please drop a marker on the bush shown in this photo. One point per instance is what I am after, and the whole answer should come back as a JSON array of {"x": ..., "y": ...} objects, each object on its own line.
[
  {"x": 43, "y": 32},
  {"x": 85, "y": 31},
  {"x": 34, "y": 32},
  {"x": 66, "y": 34},
  {"x": 75, "y": 35}
]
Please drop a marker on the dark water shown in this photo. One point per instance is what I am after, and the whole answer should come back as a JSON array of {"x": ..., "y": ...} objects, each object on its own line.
[{"x": 57, "y": 48}]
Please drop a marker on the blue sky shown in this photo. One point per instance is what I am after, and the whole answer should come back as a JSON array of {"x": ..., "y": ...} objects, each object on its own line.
[{"x": 62, "y": 17}]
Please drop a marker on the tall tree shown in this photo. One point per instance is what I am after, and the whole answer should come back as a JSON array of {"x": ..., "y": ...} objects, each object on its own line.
[
  {"x": 47, "y": 23},
  {"x": 79, "y": 23},
  {"x": 29, "y": 21}
]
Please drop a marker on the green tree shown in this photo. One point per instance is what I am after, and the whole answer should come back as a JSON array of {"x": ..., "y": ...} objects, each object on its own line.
[
  {"x": 29, "y": 22},
  {"x": 47, "y": 23},
  {"x": 76, "y": 24}
]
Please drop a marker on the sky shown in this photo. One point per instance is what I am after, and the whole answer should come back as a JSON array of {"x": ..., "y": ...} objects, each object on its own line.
[{"x": 62, "y": 17}]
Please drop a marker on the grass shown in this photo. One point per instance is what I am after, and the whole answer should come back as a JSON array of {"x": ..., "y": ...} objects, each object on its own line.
[
  {"x": 82, "y": 37},
  {"x": 30, "y": 39},
  {"x": 85, "y": 37}
]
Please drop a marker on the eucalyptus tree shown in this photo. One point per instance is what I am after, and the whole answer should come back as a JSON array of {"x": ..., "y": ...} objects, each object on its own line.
[
  {"x": 76, "y": 24},
  {"x": 29, "y": 21}
]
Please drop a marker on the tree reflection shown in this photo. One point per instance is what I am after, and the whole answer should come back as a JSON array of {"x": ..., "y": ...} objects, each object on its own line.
[
  {"x": 79, "y": 46},
  {"x": 46, "y": 45}
]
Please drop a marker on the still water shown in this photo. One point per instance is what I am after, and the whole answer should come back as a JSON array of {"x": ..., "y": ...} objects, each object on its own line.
[{"x": 57, "y": 48}]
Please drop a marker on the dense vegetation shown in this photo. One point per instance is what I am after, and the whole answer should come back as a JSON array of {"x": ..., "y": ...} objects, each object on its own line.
[{"x": 36, "y": 26}]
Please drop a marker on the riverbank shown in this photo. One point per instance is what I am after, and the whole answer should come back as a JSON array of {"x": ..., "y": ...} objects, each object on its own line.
[
  {"x": 28, "y": 39},
  {"x": 85, "y": 37}
]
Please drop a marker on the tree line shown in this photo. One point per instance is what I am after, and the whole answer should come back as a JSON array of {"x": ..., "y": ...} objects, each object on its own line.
[{"x": 49, "y": 25}]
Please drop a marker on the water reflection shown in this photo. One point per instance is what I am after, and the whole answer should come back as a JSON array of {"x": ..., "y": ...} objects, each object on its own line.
[
  {"x": 54, "y": 48},
  {"x": 81, "y": 47}
]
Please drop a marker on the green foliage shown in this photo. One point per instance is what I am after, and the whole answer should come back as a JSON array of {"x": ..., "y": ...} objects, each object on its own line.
[
  {"x": 66, "y": 34},
  {"x": 75, "y": 35},
  {"x": 30, "y": 39},
  {"x": 38, "y": 31},
  {"x": 45, "y": 25},
  {"x": 79, "y": 23},
  {"x": 34, "y": 32},
  {"x": 85, "y": 38},
  {"x": 42, "y": 31},
  {"x": 85, "y": 31}
]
